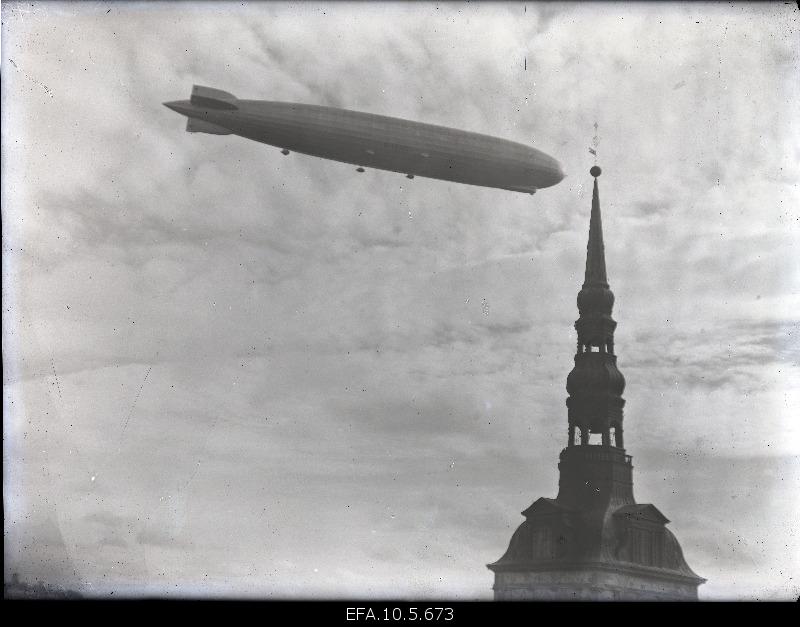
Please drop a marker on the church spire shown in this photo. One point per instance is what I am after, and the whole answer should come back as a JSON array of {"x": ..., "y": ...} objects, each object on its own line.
[
  {"x": 594, "y": 541},
  {"x": 595, "y": 385},
  {"x": 595, "y": 252}
]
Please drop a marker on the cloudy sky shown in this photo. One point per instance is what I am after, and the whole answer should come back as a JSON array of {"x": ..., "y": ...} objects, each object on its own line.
[{"x": 226, "y": 371}]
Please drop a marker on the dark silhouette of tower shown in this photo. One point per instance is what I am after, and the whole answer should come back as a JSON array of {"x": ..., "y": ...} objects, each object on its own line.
[{"x": 593, "y": 541}]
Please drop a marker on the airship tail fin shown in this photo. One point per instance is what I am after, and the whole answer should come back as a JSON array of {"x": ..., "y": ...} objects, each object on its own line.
[
  {"x": 212, "y": 98},
  {"x": 193, "y": 125}
]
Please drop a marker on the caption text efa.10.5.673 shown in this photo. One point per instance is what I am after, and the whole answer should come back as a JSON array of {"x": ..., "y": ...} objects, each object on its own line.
[{"x": 400, "y": 614}]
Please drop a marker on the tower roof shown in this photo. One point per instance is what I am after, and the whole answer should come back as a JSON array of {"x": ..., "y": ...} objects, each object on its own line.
[
  {"x": 595, "y": 251},
  {"x": 595, "y": 385},
  {"x": 595, "y": 297}
]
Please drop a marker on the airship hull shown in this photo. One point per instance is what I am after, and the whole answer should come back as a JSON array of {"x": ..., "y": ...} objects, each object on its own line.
[{"x": 376, "y": 141}]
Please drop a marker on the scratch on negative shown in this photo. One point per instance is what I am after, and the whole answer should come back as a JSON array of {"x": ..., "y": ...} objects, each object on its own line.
[
  {"x": 58, "y": 385},
  {"x": 30, "y": 78},
  {"x": 133, "y": 405},
  {"x": 191, "y": 478}
]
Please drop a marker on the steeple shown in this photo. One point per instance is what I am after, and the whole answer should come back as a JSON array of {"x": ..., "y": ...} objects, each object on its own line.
[
  {"x": 594, "y": 541},
  {"x": 595, "y": 385},
  {"x": 595, "y": 252}
]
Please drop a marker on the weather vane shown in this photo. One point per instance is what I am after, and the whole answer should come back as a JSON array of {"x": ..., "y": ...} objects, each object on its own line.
[{"x": 595, "y": 141}]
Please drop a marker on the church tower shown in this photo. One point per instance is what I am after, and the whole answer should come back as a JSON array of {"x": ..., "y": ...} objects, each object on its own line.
[{"x": 593, "y": 541}]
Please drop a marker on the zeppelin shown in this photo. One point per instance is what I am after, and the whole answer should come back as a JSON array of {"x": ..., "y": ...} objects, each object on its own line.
[{"x": 372, "y": 141}]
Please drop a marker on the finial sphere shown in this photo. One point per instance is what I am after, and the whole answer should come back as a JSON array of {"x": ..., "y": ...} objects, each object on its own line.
[{"x": 595, "y": 171}]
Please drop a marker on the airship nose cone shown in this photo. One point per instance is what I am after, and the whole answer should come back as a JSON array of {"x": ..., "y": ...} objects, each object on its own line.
[
  {"x": 545, "y": 170},
  {"x": 555, "y": 174},
  {"x": 558, "y": 174}
]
